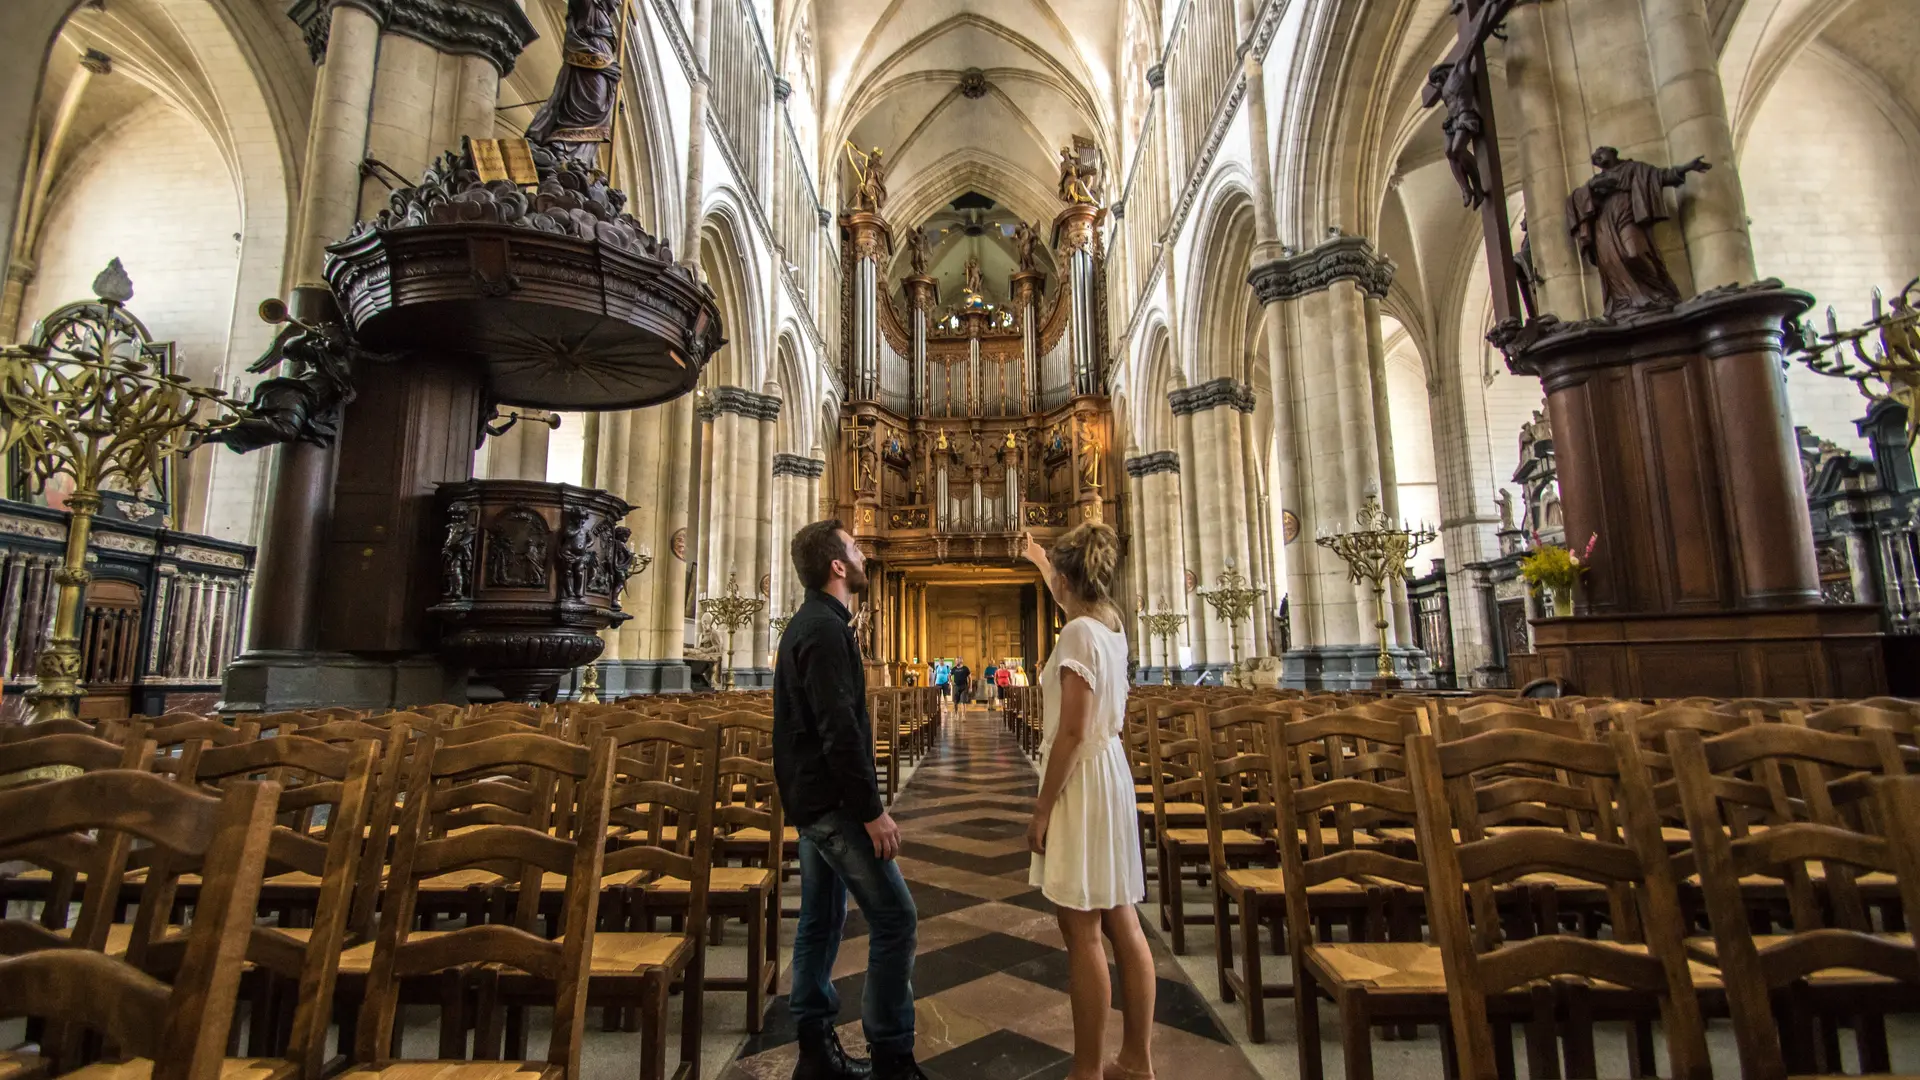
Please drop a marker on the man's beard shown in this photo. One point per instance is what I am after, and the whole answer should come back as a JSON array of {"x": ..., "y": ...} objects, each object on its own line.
[{"x": 856, "y": 579}]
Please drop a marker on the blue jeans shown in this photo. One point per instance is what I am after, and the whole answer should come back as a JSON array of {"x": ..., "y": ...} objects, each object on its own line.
[{"x": 836, "y": 858}]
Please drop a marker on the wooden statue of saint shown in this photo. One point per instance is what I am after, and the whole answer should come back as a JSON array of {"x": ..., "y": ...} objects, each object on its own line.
[
  {"x": 1612, "y": 217},
  {"x": 1026, "y": 239},
  {"x": 917, "y": 250},
  {"x": 578, "y": 116}
]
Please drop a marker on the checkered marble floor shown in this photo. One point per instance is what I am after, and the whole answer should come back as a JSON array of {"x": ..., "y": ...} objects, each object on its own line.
[{"x": 990, "y": 978}]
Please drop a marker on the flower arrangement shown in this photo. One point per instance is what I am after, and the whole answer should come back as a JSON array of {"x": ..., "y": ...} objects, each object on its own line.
[{"x": 1557, "y": 570}]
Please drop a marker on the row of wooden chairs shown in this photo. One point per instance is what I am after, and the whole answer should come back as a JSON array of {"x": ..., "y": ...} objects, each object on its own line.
[
  {"x": 503, "y": 792},
  {"x": 1645, "y": 852}
]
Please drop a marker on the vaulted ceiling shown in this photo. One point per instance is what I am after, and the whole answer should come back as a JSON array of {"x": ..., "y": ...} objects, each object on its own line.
[{"x": 896, "y": 74}]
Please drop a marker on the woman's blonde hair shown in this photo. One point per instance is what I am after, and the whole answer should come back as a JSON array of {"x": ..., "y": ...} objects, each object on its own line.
[{"x": 1084, "y": 560}]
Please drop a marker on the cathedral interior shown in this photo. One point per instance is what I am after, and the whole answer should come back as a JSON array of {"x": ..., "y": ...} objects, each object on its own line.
[{"x": 376, "y": 363}]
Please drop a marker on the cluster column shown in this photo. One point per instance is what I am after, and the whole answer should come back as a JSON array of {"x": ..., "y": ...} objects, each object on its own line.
[
  {"x": 1335, "y": 447},
  {"x": 795, "y": 479},
  {"x": 1215, "y": 414},
  {"x": 738, "y": 543},
  {"x": 645, "y": 456},
  {"x": 1159, "y": 540}
]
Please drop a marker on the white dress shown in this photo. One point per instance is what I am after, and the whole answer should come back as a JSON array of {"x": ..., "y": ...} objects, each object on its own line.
[{"x": 1093, "y": 839}]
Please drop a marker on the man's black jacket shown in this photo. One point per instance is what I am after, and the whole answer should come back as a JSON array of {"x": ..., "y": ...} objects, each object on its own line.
[{"x": 822, "y": 736}]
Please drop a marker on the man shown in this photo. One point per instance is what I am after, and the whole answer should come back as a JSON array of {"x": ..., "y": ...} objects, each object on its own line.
[
  {"x": 962, "y": 683},
  {"x": 823, "y": 762}
]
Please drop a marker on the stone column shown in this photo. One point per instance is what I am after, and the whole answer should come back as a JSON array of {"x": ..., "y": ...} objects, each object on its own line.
[
  {"x": 521, "y": 453},
  {"x": 743, "y": 422},
  {"x": 1214, "y": 411},
  {"x": 1326, "y": 299}
]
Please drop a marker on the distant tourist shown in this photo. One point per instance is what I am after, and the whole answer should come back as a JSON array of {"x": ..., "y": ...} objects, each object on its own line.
[
  {"x": 962, "y": 683},
  {"x": 1085, "y": 832}
]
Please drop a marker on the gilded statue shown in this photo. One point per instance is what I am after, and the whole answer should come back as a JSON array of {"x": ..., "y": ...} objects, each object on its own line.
[
  {"x": 1612, "y": 217},
  {"x": 578, "y": 115},
  {"x": 870, "y": 194},
  {"x": 973, "y": 276},
  {"x": 1089, "y": 454},
  {"x": 866, "y": 458},
  {"x": 1079, "y": 180}
]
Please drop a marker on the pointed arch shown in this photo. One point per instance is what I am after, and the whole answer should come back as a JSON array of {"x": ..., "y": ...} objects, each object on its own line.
[
  {"x": 1216, "y": 336},
  {"x": 736, "y": 285}
]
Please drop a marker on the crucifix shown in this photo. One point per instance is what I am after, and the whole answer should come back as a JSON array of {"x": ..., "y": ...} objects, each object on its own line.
[{"x": 1461, "y": 83}]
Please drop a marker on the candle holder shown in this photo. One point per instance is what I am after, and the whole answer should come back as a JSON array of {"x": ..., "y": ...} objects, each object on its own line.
[
  {"x": 1377, "y": 552},
  {"x": 1232, "y": 599},
  {"x": 732, "y": 613},
  {"x": 1165, "y": 625},
  {"x": 1892, "y": 370},
  {"x": 89, "y": 397}
]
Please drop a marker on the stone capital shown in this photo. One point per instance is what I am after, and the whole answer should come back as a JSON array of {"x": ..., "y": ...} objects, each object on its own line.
[
  {"x": 1187, "y": 400},
  {"x": 1343, "y": 258},
  {"x": 495, "y": 29},
  {"x": 805, "y": 468},
  {"x": 743, "y": 402},
  {"x": 1160, "y": 461}
]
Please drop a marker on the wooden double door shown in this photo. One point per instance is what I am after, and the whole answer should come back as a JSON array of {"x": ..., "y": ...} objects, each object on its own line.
[{"x": 979, "y": 625}]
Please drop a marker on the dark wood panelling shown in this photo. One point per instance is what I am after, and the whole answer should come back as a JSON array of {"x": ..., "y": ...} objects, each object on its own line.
[
  {"x": 1831, "y": 651},
  {"x": 411, "y": 428}
]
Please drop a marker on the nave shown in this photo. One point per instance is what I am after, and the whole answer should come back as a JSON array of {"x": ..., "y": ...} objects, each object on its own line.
[{"x": 990, "y": 974}]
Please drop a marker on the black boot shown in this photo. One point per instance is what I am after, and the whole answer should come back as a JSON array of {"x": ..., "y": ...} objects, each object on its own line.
[
  {"x": 822, "y": 1057},
  {"x": 896, "y": 1067}
]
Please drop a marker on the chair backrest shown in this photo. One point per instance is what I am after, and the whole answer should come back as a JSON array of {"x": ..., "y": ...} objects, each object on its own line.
[
  {"x": 588, "y": 775},
  {"x": 1476, "y": 968},
  {"x": 1174, "y": 758},
  {"x": 1782, "y": 770},
  {"x": 666, "y": 785},
  {"x": 1237, "y": 785},
  {"x": 63, "y": 726},
  {"x": 748, "y": 795},
  {"x": 1363, "y": 785},
  {"x": 182, "y": 1027},
  {"x": 315, "y": 776},
  {"x": 100, "y": 859}
]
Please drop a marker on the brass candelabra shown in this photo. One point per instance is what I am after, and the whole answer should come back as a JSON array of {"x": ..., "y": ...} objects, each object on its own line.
[
  {"x": 1377, "y": 553},
  {"x": 1165, "y": 625},
  {"x": 88, "y": 398},
  {"x": 1232, "y": 599},
  {"x": 1892, "y": 370},
  {"x": 731, "y": 612},
  {"x": 778, "y": 624}
]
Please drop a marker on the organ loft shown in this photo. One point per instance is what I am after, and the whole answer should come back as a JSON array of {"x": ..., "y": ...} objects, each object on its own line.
[{"x": 976, "y": 412}]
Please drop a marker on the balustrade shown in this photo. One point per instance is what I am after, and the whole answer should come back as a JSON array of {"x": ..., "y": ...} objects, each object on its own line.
[{"x": 159, "y": 622}]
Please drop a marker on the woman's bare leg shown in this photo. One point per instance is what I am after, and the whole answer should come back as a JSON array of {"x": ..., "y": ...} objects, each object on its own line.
[
  {"x": 1090, "y": 988},
  {"x": 1137, "y": 985}
]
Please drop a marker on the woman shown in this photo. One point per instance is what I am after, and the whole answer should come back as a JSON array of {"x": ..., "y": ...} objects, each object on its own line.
[{"x": 1085, "y": 833}]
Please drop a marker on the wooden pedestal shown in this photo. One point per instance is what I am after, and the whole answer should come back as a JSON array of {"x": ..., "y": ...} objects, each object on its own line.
[
  {"x": 1675, "y": 449},
  {"x": 1821, "y": 652}
]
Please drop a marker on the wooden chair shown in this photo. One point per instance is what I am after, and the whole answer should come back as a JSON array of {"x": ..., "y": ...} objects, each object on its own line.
[
  {"x": 1821, "y": 838},
  {"x": 664, "y": 789},
  {"x": 1348, "y": 768},
  {"x": 487, "y": 963},
  {"x": 172, "y": 1032},
  {"x": 60, "y": 866},
  {"x": 1180, "y": 813},
  {"x": 312, "y": 877},
  {"x": 1555, "y": 981},
  {"x": 748, "y": 799}
]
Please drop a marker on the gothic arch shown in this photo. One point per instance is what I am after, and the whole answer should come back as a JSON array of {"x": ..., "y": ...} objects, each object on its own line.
[
  {"x": 1220, "y": 299},
  {"x": 723, "y": 260}
]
